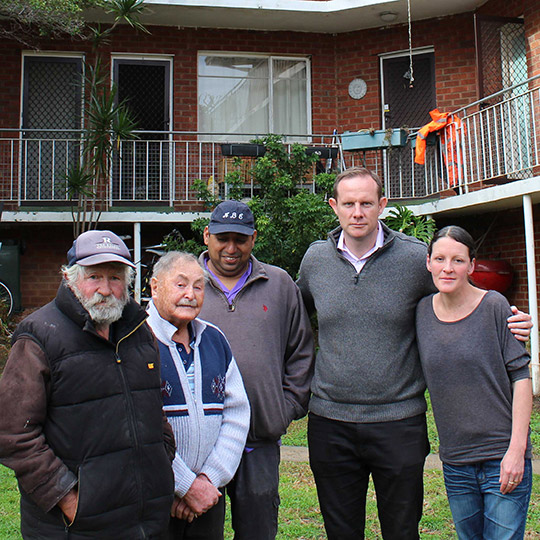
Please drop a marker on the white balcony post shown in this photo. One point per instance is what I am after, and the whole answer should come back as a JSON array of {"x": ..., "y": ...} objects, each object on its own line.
[
  {"x": 137, "y": 260},
  {"x": 532, "y": 292}
]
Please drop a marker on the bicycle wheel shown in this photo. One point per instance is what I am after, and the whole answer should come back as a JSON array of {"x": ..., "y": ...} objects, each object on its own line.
[{"x": 6, "y": 301}]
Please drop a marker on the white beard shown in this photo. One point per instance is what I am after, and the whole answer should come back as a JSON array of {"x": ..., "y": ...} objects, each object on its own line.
[{"x": 103, "y": 310}]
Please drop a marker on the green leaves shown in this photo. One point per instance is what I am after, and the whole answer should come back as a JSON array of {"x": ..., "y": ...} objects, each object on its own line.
[
  {"x": 79, "y": 183},
  {"x": 288, "y": 215},
  {"x": 402, "y": 219},
  {"x": 107, "y": 123},
  {"x": 28, "y": 20},
  {"x": 127, "y": 11},
  {"x": 50, "y": 15}
]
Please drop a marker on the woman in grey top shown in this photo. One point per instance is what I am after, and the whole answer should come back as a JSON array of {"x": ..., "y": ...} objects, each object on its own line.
[{"x": 478, "y": 377}]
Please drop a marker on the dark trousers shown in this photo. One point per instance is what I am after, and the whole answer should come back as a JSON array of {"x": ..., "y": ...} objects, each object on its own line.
[
  {"x": 254, "y": 494},
  {"x": 208, "y": 526},
  {"x": 343, "y": 455}
]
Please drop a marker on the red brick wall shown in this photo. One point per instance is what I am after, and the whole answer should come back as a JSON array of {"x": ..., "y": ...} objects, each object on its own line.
[
  {"x": 10, "y": 84},
  {"x": 335, "y": 61},
  {"x": 47, "y": 245},
  {"x": 532, "y": 31},
  {"x": 455, "y": 72},
  {"x": 45, "y": 250},
  {"x": 503, "y": 8},
  {"x": 45, "y": 253},
  {"x": 528, "y": 9},
  {"x": 185, "y": 43}
]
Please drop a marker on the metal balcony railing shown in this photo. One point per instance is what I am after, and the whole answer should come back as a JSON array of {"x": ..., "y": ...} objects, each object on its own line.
[
  {"x": 498, "y": 140},
  {"x": 157, "y": 167},
  {"x": 495, "y": 141}
]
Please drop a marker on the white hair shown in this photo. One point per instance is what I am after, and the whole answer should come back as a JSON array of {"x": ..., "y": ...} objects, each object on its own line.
[
  {"x": 171, "y": 258},
  {"x": 76, "y": 272}
]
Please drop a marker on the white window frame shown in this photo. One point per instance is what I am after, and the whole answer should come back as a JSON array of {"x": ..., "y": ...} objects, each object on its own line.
[{"x": 301, "y": 137}]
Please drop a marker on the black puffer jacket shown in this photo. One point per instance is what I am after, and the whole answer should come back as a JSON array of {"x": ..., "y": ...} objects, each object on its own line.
[{"x": 104, "y": 422}]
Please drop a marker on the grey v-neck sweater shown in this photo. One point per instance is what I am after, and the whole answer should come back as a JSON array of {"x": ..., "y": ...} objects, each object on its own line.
[{"x": 367, "y": 368}]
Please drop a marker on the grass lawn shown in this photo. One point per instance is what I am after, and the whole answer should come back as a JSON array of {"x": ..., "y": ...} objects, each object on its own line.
[
  {"x": 299, "y": 516},
  {"x": 9, "y": 505}
]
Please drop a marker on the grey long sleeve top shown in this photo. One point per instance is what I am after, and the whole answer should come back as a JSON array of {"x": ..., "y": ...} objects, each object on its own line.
[{"x": 470, "y": 366}]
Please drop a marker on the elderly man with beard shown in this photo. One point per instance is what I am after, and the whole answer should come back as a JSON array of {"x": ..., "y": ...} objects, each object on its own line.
[
  {"x": 203, "y": 396},
  {"x": 82, "y": 423}
]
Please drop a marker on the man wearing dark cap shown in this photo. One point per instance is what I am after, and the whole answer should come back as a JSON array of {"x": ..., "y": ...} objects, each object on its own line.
[
  {"x": 260, "y": 310},
  {"x": 82, "y": 423}
]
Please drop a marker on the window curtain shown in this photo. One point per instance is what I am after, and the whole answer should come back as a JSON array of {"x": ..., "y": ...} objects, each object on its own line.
[
  {"x": 235, "y": 96},
  {"x": 289, "y": 97}
]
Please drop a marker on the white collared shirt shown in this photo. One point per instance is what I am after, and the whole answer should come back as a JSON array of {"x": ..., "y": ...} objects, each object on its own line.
[{"x": 359, "y": 263}]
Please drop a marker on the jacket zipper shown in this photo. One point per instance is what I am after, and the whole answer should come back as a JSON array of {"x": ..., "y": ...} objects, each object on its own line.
[
  {"x": 133, "y": 425},
  {"x": 231, "y": 306}
]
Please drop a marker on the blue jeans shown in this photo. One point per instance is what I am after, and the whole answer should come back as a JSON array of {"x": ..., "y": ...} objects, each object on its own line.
[{"x": 479, "y": 509}]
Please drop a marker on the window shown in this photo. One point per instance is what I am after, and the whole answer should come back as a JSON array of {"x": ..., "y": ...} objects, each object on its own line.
[{"x": 253, "y": 95}]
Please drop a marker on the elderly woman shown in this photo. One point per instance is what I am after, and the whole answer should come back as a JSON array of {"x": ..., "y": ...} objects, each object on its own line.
[{"x": 478, "y": 377}]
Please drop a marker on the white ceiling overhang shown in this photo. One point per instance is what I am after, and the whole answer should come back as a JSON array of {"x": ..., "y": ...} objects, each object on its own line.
[{"x": 323, "y": 16}]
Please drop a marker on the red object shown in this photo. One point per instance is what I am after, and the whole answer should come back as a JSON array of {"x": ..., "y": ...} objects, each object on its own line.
[
  {"x": 492, "y": 275},
  {"x": 450, "y": 125}
]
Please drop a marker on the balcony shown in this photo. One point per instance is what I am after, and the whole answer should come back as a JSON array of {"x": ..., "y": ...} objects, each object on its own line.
[
  {"x": 495, "y": 142},
  {"x": 155, "y": 170}
]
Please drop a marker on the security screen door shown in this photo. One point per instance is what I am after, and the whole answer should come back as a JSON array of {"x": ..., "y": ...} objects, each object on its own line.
[
  {"x": 501, "y": 53},
  {"x": 141, "y": 168},
  {"x": 406, "y": 107},
  {"x": 51, "y": 101}
]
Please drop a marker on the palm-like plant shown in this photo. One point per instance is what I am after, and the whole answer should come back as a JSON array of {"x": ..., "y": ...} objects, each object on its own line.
[
  {"x": 402, "y": 219},
  {"x": 107, "y": 122}
]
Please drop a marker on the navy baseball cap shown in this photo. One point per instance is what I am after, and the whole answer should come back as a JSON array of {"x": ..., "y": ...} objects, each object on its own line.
[
  {"x": 232, "y": 216},
  {"x": 97, "y": 247}
]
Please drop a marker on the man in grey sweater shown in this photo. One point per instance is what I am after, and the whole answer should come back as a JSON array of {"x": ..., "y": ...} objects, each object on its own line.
[
  {"x": 260, "y": 310},
  {"x": 367, "y": 410}
]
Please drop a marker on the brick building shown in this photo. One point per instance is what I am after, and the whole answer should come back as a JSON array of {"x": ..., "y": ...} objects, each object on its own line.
[{"x": 226, "y": 72}]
